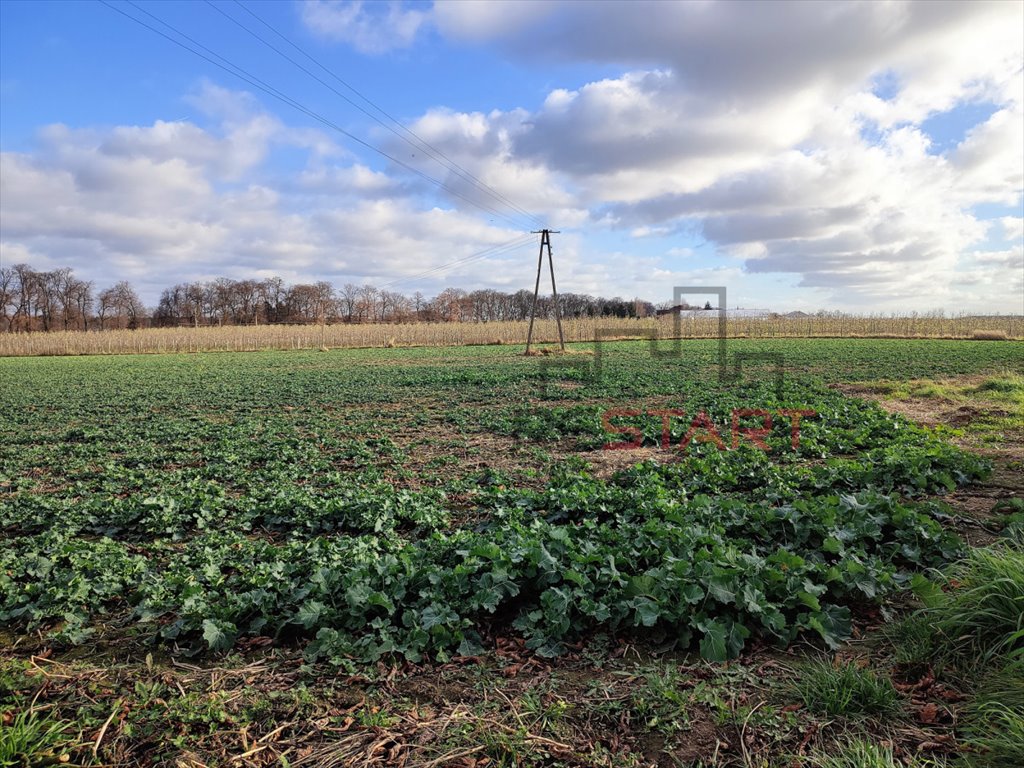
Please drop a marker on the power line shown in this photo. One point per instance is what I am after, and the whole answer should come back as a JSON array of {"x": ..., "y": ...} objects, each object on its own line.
[
  {"x": 248, "y": 77},
  {"x": 242, "y": 74},
  {"x": 421, "y": 144},
  {"x": 473, "y": 258},
  {"x": 494, "y": 250}
]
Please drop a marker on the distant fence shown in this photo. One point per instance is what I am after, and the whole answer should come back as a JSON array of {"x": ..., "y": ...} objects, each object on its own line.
[{"x": 246, "y": 338}]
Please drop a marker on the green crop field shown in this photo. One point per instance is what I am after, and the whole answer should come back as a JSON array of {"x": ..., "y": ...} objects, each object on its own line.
[{"x": 469, "y": 557}]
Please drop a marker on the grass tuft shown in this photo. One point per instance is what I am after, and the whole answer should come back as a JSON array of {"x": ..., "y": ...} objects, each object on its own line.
[
  {"x": 32, "y": 740},
  {"x": 931, "y": 389},
  {"x": 911, "y": 640},
  {"x": 981, "y": 615},
  {"x": 1007, "y": 382},
  {"x": 845, "y": 690},
  {"x": 864, "y": 754},
  {"x": 994, "y": 720},
  {"x": 1007, "y": 387}
]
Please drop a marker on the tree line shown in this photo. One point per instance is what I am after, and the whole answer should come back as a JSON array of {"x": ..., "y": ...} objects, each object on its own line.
[{"x": 33, "y": 300}]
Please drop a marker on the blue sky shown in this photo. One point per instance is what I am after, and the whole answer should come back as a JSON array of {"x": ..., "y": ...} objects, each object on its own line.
[{"x": 865, "y": 157}]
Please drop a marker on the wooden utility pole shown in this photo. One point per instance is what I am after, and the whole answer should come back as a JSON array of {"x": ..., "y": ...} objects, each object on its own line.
[{"x": 545, "y": 241}]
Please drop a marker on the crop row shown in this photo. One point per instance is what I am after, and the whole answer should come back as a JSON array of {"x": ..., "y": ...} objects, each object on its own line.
[
  {"x": 714, "y": 571},
  {"x": 391, "y": 502}
]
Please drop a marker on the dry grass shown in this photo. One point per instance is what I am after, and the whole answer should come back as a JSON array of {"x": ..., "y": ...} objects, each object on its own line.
[
  {"x": 246, "y": 338},
  {"x": 986, "y": 334}
]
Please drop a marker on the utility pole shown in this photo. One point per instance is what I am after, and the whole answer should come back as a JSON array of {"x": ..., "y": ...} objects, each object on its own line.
[{"x": 545, "y": 241}]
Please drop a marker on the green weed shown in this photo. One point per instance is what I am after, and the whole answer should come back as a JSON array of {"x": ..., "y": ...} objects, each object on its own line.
[
  {"x": 863, "y": 754},
  {"x": 981, "y": 614},
  {"x": 1007, "y": 383},
  {"x": 14, "y": 677},
  {"x": 931, "y": 389},
  {"x": 845, "y": 690},
  {"x": 911, "y": 640},
  {"x": 32, "y": 740},
  {"x": 994, "y": 720},
  {"x": 544, "y": 711},
  {"x": 661, "y": 703}
]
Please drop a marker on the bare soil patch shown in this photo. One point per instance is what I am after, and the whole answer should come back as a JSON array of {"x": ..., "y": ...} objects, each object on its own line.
[
  {"x": 605, "y": 463},
  {"x": 972, "y": 504}
]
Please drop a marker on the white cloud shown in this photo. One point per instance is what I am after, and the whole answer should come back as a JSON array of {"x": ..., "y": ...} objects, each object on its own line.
[
  {"x": 482, "y": 21},
  {"x": 353, "y": 180},
  {"x": 640, "y": 232},
  {"x": 791, "y": 136},
  {"x": 680, "y": 253},
  {"x": 363, "y": 25},
  {"x": 757, "y": 124},
  {"x": 175, "y": 201},
  {"x": 484, "y": 147},
  {"x": 1013, "y": 229},
  {"x": 990, "y": 160}
]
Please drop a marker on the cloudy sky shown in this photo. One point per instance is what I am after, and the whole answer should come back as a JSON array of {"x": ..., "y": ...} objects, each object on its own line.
[{"x": 856, "y": 156}]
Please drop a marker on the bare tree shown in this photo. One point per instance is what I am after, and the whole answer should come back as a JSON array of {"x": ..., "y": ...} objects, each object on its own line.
[
  {"x": 80, "y": 296},
  {"x": 222, "y": 298},
  {"x": 401, "y": 307},
  {"x": 27, "y": 284},
  {"x": 8, "y": 293},
  {"x": 275, "y": 296},
  {"x": 247, "y": 294},
  {"x": 73, "y": 298},
  {"x": 107, "y": 302},
  {"x": 323, "y": 301},
  {"x": 170, "y": 310},
  {"x": 123, "y": 303},
  {"x": 303, "y": 303},
  {"x": 383, "y": 305},
  {"x": 196, "y": 299},
  {"x": 349, "y": 299},
  {"x": 46, "y": 297},
  {"x": 130, "y": 303},
  {"x": 521, "y": 303},
  {"x": 449, "y": 304},
  {"x": 31, "y": 300},
  {"x": 367, "y": 306}
]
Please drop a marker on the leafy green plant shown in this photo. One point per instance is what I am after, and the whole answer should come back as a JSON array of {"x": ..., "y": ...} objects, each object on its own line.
[
  {"x": 298, "y": 496},
  {"x": 661, "y": 702},
  {"x": 14, "y": 677}
]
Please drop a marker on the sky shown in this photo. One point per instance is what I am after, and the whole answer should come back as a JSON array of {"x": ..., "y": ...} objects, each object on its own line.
[{"x": 864, "y": 157}]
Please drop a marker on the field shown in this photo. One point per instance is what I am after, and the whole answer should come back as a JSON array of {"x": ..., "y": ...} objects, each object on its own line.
[
  {"x": 464, "y": 556},
  {"x": 293, "y": 337}
]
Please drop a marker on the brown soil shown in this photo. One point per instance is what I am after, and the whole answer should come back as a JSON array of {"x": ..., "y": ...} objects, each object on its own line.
[
  {"x": 605, "y": 463},
  {"x": 972, "y": 504}
]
